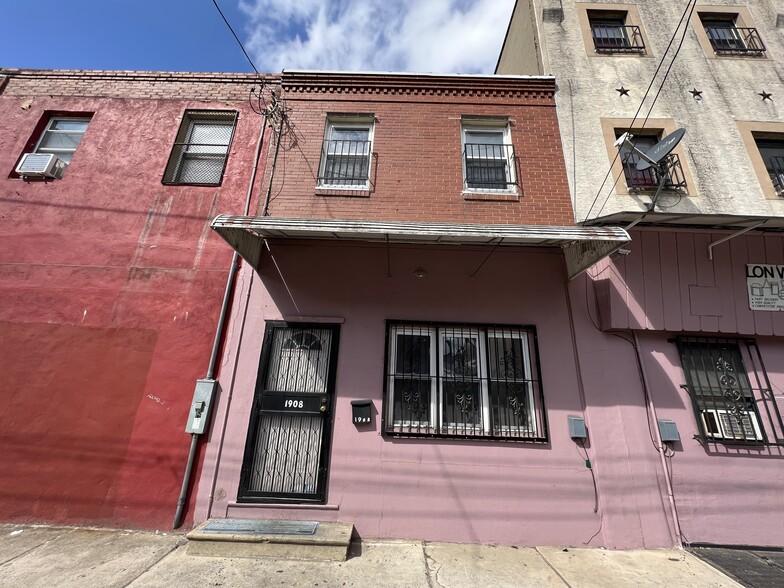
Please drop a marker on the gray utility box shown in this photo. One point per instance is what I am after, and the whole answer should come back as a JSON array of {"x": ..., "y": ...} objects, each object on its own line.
[
  {"x": 199, "y": 415},
  {"x": 577, "y": 428},
  {"x": 668, "y": 431}
]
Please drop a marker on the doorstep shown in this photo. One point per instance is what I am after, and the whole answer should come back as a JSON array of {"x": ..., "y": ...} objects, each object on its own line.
[{"x": 301, "y": 540}]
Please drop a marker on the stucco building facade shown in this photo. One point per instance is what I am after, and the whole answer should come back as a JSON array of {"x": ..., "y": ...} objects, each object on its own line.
[{"x": 687, "y": 326}]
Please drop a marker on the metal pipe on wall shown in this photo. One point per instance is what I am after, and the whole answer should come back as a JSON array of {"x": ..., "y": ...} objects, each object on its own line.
[{"x": 219, "y": 333}]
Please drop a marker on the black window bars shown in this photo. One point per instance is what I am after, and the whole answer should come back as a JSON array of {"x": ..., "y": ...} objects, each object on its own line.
[
  {"x": 615, "y": 37},
  {"x": 488, "y": 166},
  {"x": 727, "y": 39},
  {"x": 731, "y": 394},
  {"x": 345, "y": 163}
]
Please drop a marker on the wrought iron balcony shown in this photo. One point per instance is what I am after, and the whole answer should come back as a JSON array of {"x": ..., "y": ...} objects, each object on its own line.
[
  {"x": 775, "y": 165},
  {"x": 610, "y": 38},
  {"x": 649, "y": 179},
  {"x": 488, "y": 166},
  {"x": 344, "y": 164},
  {"x": 735, "y": 40}
]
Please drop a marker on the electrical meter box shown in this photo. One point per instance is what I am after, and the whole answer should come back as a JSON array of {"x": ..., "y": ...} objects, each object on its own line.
[
  {"x": 360, "y": 411},
  {"x": 200, "y": 407},
  {"x": 577, "y": 427},
  {"x": 668, "y": 431}
]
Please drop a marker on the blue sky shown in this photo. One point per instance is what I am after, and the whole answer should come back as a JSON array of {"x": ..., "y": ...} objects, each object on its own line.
[{"x": 445, "y": 36}]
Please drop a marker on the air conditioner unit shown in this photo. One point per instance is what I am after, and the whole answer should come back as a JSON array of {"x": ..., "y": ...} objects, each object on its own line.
[
  {"x": 41, "y": 165},
  {"x": 722, "y": 424}
]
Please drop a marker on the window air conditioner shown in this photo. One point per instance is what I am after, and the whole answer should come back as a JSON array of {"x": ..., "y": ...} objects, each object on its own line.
[
  {"x": 41, "y": 165},
  {"x": 722, "y": 424}
]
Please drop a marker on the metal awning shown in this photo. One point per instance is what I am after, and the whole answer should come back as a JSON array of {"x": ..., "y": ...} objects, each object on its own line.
[
  {"x": 690, "y": 220},
  {"x": 583, "y": 246}
]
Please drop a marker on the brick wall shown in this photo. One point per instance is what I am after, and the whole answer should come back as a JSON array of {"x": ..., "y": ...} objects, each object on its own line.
[
  {"x": 417, "y": 171},
  {"x": 129, "y": 84}
]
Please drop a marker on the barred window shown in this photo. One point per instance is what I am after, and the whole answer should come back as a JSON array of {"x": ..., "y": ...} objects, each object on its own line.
[
  {"x": 201, "y": 148},
  {"x": 463, "y": 380},
  {"x": 488, "y": 156},
  {"x": 733, "y": 403},
  {"x": 346, "y": 153}
]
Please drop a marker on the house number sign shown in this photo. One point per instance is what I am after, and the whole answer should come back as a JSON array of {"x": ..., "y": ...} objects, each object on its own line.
[
  {"x": 765, "y": 284},
  {"x": 305, "y": 404}
]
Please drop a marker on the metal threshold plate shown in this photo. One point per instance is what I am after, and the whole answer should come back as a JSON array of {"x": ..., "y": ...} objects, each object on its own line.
[{"x": 250, "y": 527}]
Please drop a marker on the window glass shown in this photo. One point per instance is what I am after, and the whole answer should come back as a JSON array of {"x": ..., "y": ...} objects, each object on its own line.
[
  {"x": 201, "y": 148},
  {"x": 62, "y": 136},
  {"x": 488, "y": 159},
  {"x": 345, "y": 157}
]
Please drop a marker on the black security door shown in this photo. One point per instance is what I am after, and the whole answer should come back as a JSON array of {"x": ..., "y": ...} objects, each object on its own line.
[{"x": 287, "y": 452}]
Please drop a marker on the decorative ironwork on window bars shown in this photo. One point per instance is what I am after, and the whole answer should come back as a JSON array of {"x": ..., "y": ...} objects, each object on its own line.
[
  {"x": 463, "y": 381},
  {"x": 345, "y": 163},
  {"x": 489, "y": 166},
  {"x": 617, "y": 38},
  {"x": 775, "y": 165},
  {"x": 732, "y": 40},
  {"x": 201, "y": 148},
  {"x": 730, "y": 391},
  {"x": 648, "y": 179}
]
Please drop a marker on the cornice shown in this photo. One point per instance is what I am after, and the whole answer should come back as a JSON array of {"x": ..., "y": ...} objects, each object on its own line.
[{"x": 139, "y": 76}]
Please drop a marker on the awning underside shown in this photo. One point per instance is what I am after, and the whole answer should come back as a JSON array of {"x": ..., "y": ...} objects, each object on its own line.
[{"x": 583, "y": 246}]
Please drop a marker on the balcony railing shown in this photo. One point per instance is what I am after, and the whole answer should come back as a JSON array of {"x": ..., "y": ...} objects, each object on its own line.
[
  {"x": 648, "y": 179},
  {"x": 489, "y": 166},
  {"x": 735, "y": 40},
  {"x": 344, "y": 164},
  {"x": 617, "y": 38},
  {"x": 775, "y": 167}
]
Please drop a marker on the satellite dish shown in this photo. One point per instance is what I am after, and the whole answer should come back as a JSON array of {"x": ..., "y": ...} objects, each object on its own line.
[{"x": 661, "y": 150}]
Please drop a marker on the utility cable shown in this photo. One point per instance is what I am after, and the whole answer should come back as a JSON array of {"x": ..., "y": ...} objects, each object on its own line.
[
  {"x": 215, "y": 2},
  {"x": 688, "y": 10}
]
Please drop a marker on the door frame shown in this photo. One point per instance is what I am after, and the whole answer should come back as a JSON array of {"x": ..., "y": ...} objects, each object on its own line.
[{"x": 320, "y": 497}]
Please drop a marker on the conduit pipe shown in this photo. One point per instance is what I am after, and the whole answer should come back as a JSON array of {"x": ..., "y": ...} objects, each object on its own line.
[
  {"x": 222, "y": 320},
  {"x": 651, "y": 413}
]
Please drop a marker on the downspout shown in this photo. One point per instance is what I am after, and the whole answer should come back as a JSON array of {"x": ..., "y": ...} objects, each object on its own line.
[
  {"x": 218, "y": 334},
  {"x": 651, "y": 412}
]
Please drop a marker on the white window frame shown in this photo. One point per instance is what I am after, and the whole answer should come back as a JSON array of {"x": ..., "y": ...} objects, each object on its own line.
[
  {"x": 346, "y": 122},
  {"x": 454, "y": 428},
  {"x": 66, "y": 154},
  {"x": 524, "y": 337},
  {"x": 488, "y": 126},
  {"x": 430, "y": 332}
]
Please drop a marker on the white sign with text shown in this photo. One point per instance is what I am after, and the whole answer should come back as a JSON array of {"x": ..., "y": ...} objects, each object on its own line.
[{"x": 765, "y": 283}]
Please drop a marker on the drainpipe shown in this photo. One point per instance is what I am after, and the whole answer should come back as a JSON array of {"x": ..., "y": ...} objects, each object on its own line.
[
  {"x": 659, "y": 445},
  {"x": 222, "y": 321}
]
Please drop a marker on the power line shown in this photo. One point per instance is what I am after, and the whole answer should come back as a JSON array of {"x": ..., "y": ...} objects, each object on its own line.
[
  {"x": 236, "y": 37},
  {"x": 688, "y": 10}
]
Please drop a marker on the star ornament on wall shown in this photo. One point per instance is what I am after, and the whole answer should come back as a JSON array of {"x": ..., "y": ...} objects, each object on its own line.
[
  {"x": 765, "y": 96},
  {"x": 622, "y": 91},
  {"x": 696, "y": 94}
]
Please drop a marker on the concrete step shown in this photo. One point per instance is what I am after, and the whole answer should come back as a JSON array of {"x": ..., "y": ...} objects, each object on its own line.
[{"x": 301, "y": 540}]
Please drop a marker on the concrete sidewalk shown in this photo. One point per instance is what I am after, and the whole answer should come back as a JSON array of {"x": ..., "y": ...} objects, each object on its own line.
[{"x": 33, "y": 556}]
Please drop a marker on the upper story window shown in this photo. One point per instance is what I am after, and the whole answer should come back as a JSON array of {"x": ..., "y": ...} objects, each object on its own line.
[
  {"x": 772, "y": 152},
  {"x": 729, "y": 37},
  {"x": 62, "y": 136},
  {"x": 648, "y": 179},
  {"x": 201, "y": 148},
  {"x": 611, "y": 32},
  {"x": 51, "y": 147},
  {"x": 488, "y": 156},
  {"x": 730, "y": 390},
  {"x": 463, "y": 380},
  {"x": 346, "y": 153}
]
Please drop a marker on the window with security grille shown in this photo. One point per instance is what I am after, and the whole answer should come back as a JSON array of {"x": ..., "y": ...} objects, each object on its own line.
[
  {"x": 463, "y": 381},
  {"x": 612, "y": 34},
  {"x": 488, "y": 157},
  {"x": 648, "y": 179},
  {"x": 201, "y": 148},
  {"x": 346, "y": 153},
  {"x": 772, "y": 152},
  {"x": 727, "y": 37},
  {"x": 730, "y": 390}
]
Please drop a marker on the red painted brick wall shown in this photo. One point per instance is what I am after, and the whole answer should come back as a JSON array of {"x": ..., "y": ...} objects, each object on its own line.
[{"x": 417, "y": 163}]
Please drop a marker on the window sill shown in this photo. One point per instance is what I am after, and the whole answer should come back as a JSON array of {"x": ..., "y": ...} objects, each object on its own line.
[
  {"x": 465, "y": 437},
  {"x": 281, "y": 505},
  {"x": 363, "y": 192},
  {"x": 492, "y": 196}
]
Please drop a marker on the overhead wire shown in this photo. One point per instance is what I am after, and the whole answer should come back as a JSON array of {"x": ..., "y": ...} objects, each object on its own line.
[
  {"x": 688, "y": 10},
  {"x": 215, "y": 2}
]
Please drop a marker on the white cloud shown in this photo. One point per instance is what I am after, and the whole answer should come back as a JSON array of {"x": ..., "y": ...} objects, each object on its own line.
[{"x": 442, "y": 36}]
